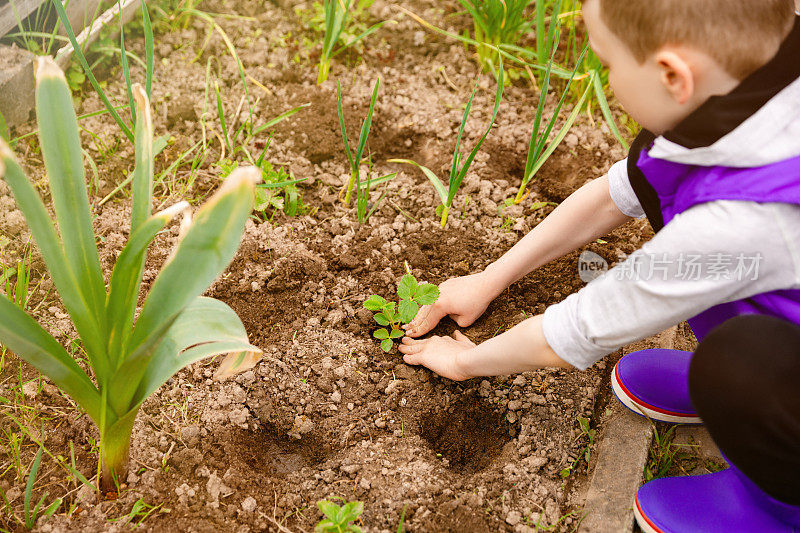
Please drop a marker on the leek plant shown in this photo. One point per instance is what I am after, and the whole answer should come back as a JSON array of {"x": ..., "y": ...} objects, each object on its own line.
[
  {"x": 337, "y": 14},
  {"x": 364, "y": 209},
  {"x": 458, "y": 170},
  {"x": 355, "y": 159},
  {"x": 129, "y": 359}
]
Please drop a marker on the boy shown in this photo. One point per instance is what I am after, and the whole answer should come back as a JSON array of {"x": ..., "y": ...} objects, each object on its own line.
[{"x": 717, "y": 83}]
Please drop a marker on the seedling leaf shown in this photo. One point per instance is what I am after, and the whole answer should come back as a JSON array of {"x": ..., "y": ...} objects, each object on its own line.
[
  {"x": 386, "y": 345},
  {"x": 408, "y": 310},
  {"x": 395, "y": 334},
  {"x": 381, "y": 319},
  {"x": 329, "y": 509},
  {"x": 407, "y": 287},
  {"x": 376, "y": 303},
  {"x": 381, "y": 334},
  {"x": 427, "y": 294}
]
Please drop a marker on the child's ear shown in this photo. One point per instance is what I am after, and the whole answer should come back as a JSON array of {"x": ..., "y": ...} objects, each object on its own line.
[{"x": 676, "y": 75}]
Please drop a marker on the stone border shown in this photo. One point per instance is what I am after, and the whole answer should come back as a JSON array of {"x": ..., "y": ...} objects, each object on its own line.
[
  {"x": 16, "y": 85},
  {"x": 621, "y": 458}
]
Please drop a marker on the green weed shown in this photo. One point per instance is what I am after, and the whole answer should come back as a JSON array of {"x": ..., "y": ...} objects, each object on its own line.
[
  {"x": 31, "y": 514},
  {"x": 140, "y": 511},
  {"x": 588, "y": 435},
  {"x": 78, "y": 52},
  {"x": 278, "y": 192}
]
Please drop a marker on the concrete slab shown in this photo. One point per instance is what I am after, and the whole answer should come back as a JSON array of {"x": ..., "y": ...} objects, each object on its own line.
[{"x": 16, "y": 85}]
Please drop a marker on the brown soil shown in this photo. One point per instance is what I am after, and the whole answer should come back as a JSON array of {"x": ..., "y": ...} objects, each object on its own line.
[{"x": 327, "y": 414}]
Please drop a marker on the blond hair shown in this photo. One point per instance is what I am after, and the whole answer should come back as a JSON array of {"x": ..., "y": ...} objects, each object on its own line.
[{"x": 737, "y": 34}]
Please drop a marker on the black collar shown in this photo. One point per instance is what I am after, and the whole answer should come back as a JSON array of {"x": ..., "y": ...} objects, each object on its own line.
[{"x": 720, "y": 115}]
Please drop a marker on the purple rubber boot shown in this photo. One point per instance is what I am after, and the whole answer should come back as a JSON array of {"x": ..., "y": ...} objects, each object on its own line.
[
  {"x": 655, "y": 383},
  {"x": 724, "y": 501}
]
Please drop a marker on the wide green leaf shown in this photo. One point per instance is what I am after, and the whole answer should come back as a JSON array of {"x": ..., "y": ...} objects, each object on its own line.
[
  {"x": 204, "y": 252},
  {"x": 381, "y": 334},
  {"x": 407, "y": 287},
  {"x": 126, "y": 280},
  {"x": 408, "y": 310},
  {"x": 25, "y": 337},
  {"x": 427, "y": 294},
  {"x": 205, "y": 328},
  {"x": 375, "y": 303},
  {"x": 329, "y": 509},
  {"x": 50, "y": 247},
  {"x": 143, "y": 171},
  {"x": 63, "y": 159}
]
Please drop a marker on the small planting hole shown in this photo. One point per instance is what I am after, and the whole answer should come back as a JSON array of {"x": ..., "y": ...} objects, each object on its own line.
[
  {"x": 272, "y": 453},
  {"x": 469, "y": 434}
]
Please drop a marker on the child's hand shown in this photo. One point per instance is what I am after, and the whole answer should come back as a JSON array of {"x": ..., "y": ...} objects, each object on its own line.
[
  {"x": 437, "y": 353},
  {"x": 464, "y": 299}
]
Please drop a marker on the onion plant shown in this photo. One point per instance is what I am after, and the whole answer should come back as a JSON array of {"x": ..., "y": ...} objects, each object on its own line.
[
  {"x": 126, "y": 128},
  {"x": 355, "y": 159},
  {"x": 590, "y": 73},
  {"x": 497, "y": 23},
  {"x": 337, "y": 14},
  {"x": 128, "y": 358},
  {"x": 458, "y": 169},
  {"x": 541, "y": 146}
]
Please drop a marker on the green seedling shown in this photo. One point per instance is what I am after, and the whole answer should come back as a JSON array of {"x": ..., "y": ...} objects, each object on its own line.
[
  {"x": 339, "y": 518},
  {"x": 588, "y": 435},
  {"x": 393, "y": 315},
  {"x": 129, "y": 357},
  {"x": 337, "y": 14},
  {"x": 140, "y": 511},
  {"x": 364, "y": 209},
  {"x": 278, "y": 192},
  {"x": 32, "y": 514},
  {"x": 458, "y": 170},
  {"x": 355, "y": 159}
]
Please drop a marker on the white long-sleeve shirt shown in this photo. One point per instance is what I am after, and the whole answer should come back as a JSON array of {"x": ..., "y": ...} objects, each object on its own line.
[{"x": 620, "y": 307}]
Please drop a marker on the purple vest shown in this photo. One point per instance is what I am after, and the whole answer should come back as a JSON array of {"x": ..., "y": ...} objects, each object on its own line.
[{"x": 680, "y": 186}]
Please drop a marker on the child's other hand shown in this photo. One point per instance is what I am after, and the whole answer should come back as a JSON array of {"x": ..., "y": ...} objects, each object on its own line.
[
  {"x": 437, "y": 353},
  {"x": 464, "y": 299}
]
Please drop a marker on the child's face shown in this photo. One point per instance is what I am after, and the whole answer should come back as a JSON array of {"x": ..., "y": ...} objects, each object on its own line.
[{"x": 650, "y": 92}]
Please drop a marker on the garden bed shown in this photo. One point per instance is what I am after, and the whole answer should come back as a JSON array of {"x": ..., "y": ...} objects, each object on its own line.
[{"x": 326, "y": 413}]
